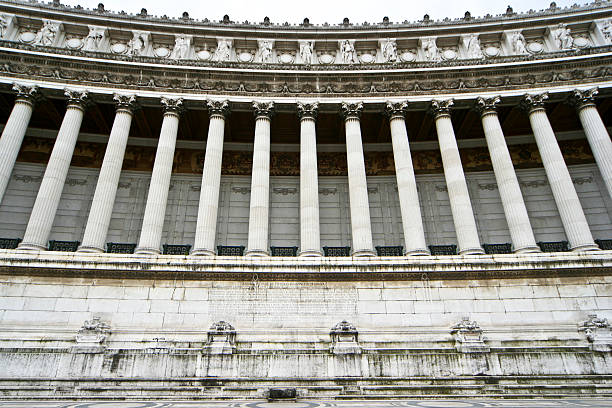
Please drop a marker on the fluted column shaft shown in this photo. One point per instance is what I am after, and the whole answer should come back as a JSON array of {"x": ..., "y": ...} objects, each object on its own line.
[
  {"x": 461, "y": 206},
  {"x": 50, "y": 191},
  {"x": 108, "y": 181},
  {"x": 310, "y": 231},
  {"x": 260, "y": 183},
  {"x": 412, "y": 222},
  {"x": 596, "y": 133},
  {"x": 361, "y": 226},
  {"x": 206, "y": 227},
  {"x": 515, "y": 210},
  {"x": 157, "y": 198},
  {"x": 14, "y": 132},
  {"x": 572, "y": 216}
]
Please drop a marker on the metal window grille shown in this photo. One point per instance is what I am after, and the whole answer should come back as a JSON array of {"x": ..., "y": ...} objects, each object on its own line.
[
  {"x": 605, "y": 244},
  {"x": 390, "y": 250},
  {"x": 64, "y": 246},
  {"x": 225, "y": 250},
  {"x": 176, "y": 249},
  {"x": 497, "y": 248},
  {"x": 9, "y": 243},
  {"x": 283, "y": 251},
  {"x": 120, "y": 248},
  {"x": 337, "y": 251},
  {"x": 560, "y": 246},
  {"x": 443, "y": 249}
]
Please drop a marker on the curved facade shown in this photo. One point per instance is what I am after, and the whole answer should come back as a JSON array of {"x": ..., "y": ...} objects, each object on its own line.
[{"x": 213, "y": 208}]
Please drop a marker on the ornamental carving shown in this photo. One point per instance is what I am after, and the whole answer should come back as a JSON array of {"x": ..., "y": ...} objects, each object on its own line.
[
  {"x": 127, "y": 102},
  {"x": 96, "y": 40},
  {"x": 468, "y": 337},
  {"x": 563, "y": 37},
  {"x": 598, "y": 332},
  {"x": 393, "y": 109},
  {"x": 182, "y": 47},
  {"x": 307, "y": 52},
  {"x": 172, "y": 105},
  {"x": 224, "y": 49},
  {"x": 352, "y": 110},
  {"x": 344, "y": 339},
  {"x": 389, "y": 50},
  {"x": 48, "y": 34},
  {"x": 263, "y": 109},
  {"x": 216, "y": 107},
  {"x": 472, "y": 47},
  {"x": 348, "y": 55},
  {"x": 307, "y": 110},
  {"x": 532, "y": 102},
  {"x": 487, "y": 105},
  {"x": 26, "y": 92},
  {"x": 582, "y": 98},
  {"x": 93, "y": 332},
  {"x": 441, "y": 107},
  {"x": 77, "y": 98}
]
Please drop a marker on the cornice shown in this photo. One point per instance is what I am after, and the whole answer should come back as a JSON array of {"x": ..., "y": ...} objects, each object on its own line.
[
  {"x": 186, "y": 21},
  {"x": 575, "y": 72},
  {"x": 116, "y": 266}
]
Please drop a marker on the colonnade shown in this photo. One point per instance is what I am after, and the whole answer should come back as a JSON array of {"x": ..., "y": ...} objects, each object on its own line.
[{"x": 572, "y": 215}]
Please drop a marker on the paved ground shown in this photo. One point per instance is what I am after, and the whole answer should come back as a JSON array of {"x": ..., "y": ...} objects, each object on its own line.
[{"x": 589, "y": 403}]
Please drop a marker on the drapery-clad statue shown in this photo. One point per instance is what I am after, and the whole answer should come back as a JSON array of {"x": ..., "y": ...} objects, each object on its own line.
[
  {"x": 181, "y": 48},
  {"x": 347, "y": 49},
  {"x": 93, "y": 39},
  {"x": 306, "y": 51},
  {"x": 563, "y": 37},
  {"x": 518, "y": 43},
  {"x": 46, "y": 35},
  {"x": 138, "y": 44},
  {"x": 432, "y": 53},
  {"x": 389, "y": 51},
  {"x": 265, "y": 50},
  {"x": 224, "y": 50},
  {"x": 473, "y": 47}
]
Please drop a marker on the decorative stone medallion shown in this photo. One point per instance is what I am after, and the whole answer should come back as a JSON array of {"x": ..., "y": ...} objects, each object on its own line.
[
  {"x": 74, "y": 43},
  {"x": 286, "y": 58},
  {"x": 204, "y": 55},
  {"x": 581, "y": 42},
  {"x": 27, "y": 37},
  {"x": 491, "y": 51},
  {"x": 367, "y": 58},
  {"x": 535, "y": 47},
  {"x": 245, "y": 56},
  {"x": 449, "y": 54},
  {"x": 161, "y": 52},
  {"x": 119, "y": 48},
  {"x": 407, "y": 56},
  {"x": 327, "y": 59}
]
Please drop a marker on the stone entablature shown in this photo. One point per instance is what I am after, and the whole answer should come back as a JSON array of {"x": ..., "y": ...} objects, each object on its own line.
[{"x": 468, "y": 41}]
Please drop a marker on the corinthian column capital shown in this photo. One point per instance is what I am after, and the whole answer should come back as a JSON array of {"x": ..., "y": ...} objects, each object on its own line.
[
  {"x": 352, "y": 110},
  {"x": 532, "y": 102},
  {"x": 220, "y": 108},
  {"x": 125, "y": 102},
  {"x": 172, "y": 106},
  {"x": 487, "y": 105},
  {"x": 307, "y": 110},
  {"x": 441, "y": 107},
  {"x": 263, "y": 109},
  {"x": 581, "y": 98},
  {"x": 26, "y": 93},
  {"x": 396, "y": 109},
  {"x": 77, "y": 99}
]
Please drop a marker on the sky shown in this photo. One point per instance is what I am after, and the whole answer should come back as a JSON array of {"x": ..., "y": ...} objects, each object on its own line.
[{"x": 321, "y": 11}]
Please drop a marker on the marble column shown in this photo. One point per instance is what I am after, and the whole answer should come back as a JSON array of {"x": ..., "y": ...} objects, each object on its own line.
[
  {"x": 157, "y": 198},
  {"x": 260, "y": 181},
  {"x": 412, "y": 222},
  {"x": 358, "y": 187},
  {"x": 14, "y": 131},
  {"x": 50, "y": 191},
  {"x": 461, "y": 206},
  {"x": 310, "y": 230},
  {"x": 206, "y": 227},
  {"x": 572, "y": 216},
  {"x": 596, "y": 132},
  {"x": 104, "y": 197},
  {"x": 515, "y": 210}
]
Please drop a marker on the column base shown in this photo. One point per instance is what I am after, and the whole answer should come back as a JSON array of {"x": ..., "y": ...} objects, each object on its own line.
[
  {"x": 527, "y": 250},
  {"x": 586, "y": 247},
  {"x": 30, "y": 246},
  {"x": 310, "y": 254},
  {"x": 417, "y": 252},
  {"x": 147, "y": 251},
  {"x": 472, "y": 251},
  {"x": 90, "y": 249},
  {"x": 202, "y": 252},
  {"x": 363, "y": 253},
  {"x": 257, "y": 253}
]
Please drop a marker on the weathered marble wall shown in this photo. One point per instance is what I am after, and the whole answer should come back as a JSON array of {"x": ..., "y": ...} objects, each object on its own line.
[{"x": 232, "y": 229}]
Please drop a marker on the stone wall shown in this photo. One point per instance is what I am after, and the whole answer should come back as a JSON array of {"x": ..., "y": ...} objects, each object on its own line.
[{"x": 232, "y": 228}]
